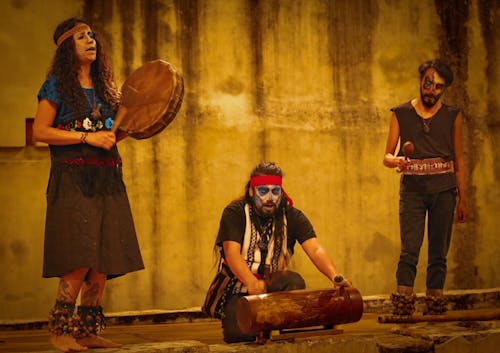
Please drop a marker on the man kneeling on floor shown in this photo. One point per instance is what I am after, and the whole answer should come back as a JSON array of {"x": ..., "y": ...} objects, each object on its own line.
[{"x": 256, "y": 239}]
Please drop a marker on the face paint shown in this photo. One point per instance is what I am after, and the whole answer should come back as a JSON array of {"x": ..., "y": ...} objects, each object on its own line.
[
  {"x": 85, "y": 45},
  {"x": 429, "y": 84},
  {"x": 267, "y": 198},
  {"x": 267, "y": 190},
  {"x": 431, "y": 88}
]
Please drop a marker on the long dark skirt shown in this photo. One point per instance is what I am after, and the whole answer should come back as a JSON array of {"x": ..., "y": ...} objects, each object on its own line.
[{"x": 89, "y": 222}]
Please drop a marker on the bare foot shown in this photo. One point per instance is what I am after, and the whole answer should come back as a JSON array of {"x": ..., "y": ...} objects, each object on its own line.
[
  {"x": 66, "y": 343},
  {"x": 94, "y": 341}
]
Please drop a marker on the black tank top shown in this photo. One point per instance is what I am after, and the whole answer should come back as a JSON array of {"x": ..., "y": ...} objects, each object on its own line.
[{"x": 437, "y": 142}]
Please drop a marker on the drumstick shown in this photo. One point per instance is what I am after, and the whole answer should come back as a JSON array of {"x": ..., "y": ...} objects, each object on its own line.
[
  {"x": 128, "y": 94},
  {"x": 122, "y": 111},
  {"x": 408, "y": 149}
]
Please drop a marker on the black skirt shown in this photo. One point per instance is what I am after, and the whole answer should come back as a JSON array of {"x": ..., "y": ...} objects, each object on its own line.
[{"x": 88, "y": 222}]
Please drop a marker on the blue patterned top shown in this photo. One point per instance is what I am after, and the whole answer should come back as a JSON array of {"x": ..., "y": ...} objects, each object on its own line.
[{"x": 67, "y": 119}]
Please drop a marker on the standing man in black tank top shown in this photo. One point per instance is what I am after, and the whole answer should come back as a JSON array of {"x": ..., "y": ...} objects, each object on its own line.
[{"x": 432, "y": 178}]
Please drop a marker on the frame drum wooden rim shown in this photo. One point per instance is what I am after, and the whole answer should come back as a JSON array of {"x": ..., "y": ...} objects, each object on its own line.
[{"x": 152, "y": 96}]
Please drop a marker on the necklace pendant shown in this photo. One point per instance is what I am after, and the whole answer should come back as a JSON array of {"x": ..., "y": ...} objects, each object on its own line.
[
  {"x": 427, "y": 125},
  {"x": 96, "y": 112}
]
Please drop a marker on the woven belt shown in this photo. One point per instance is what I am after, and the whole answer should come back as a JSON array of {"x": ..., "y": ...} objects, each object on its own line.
[
  {"x": 429, "y": 166},
  {"x": 107, "y": 162}
]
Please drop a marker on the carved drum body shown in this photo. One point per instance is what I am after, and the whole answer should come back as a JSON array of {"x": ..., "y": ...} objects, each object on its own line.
[{"x": 299, "y": 308}]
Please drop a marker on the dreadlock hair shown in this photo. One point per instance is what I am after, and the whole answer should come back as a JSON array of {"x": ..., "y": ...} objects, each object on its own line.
[
  {"x": 441, "y": 68},
  {"x": 270, "y": 168},
  {"x": 65, "y": 67},
  {"x": 263, "y": 168}
]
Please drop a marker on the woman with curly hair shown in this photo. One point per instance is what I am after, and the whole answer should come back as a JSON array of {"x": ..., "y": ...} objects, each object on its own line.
[{"x": 89, "y": 232}]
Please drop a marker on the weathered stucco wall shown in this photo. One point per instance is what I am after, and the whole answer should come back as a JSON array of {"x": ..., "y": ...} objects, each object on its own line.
[{"x": 307, "y": 84}]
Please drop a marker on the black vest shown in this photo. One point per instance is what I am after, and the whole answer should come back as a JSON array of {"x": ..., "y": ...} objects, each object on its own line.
[{"x": 437, "y": 142}]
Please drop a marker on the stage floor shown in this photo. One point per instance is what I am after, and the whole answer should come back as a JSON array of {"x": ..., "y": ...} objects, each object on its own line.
[{"x": 367, "y": 335}]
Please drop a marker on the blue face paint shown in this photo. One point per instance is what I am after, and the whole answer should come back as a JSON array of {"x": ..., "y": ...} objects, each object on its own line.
[
  {"x": 257, "y": 200},
  {"x": 267, "y": 198},
  {"x": 264, "y": 190}
]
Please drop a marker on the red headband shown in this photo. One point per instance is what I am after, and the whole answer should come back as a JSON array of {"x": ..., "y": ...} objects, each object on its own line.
[
  {"x": 269, "y": 180},
  {"x": 265, "y": 180}
]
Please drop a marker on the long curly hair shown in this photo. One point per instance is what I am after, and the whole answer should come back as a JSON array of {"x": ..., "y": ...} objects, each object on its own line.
[{"x": 65, "y": 67}]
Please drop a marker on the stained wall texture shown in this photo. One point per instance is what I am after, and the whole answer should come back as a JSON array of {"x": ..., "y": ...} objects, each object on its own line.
[{"x": 307, "y": 84}]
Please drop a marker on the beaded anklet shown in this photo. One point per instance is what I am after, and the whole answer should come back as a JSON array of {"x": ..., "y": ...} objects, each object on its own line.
[
  {"x": 61, "y": 321},
  {"x": 89, "y": 320},
  {"x": 404, "y": 304},
  {"x": 436, "y": 305}
]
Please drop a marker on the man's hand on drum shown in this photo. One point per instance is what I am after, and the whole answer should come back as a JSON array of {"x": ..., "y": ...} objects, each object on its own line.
[
  {"x": 256, "y": 286},
  {"x": 103, "y": 139}
]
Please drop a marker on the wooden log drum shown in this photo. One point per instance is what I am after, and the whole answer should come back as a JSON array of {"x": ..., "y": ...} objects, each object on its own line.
[{"x": 298, "y": 309}]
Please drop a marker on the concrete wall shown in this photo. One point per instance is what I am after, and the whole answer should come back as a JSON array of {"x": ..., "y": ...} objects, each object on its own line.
[{"x": 307, "y": 84}]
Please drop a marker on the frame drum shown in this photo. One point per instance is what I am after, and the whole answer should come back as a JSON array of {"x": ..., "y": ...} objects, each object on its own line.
[{"x": 152, "y": 96}]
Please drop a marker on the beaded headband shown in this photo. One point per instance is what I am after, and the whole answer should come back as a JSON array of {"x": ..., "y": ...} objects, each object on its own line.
[{"x": 78, "y": 27}]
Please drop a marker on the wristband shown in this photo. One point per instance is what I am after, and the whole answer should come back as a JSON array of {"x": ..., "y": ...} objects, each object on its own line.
[
  {"x": 338, "y": 279},
  {"x": 83, "y": 138}
]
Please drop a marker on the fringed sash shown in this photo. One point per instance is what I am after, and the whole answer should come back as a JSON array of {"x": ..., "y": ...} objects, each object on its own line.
[{"x": 277, "y": 253}]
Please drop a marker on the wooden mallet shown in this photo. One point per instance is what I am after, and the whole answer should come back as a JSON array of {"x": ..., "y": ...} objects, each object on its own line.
[{"x": 408, "y": 149}]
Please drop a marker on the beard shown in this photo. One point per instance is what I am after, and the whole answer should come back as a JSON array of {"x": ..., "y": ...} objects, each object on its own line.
[
  {"x": 267, "y": 209},
  {"x": 429, "y": 100},
  {"x": 264, "y": 209}
]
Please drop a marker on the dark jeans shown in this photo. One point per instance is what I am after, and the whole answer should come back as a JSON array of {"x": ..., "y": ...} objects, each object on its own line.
[
  {"x": 277, "y": 282},
  {"x": 413, "y": 208}
]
